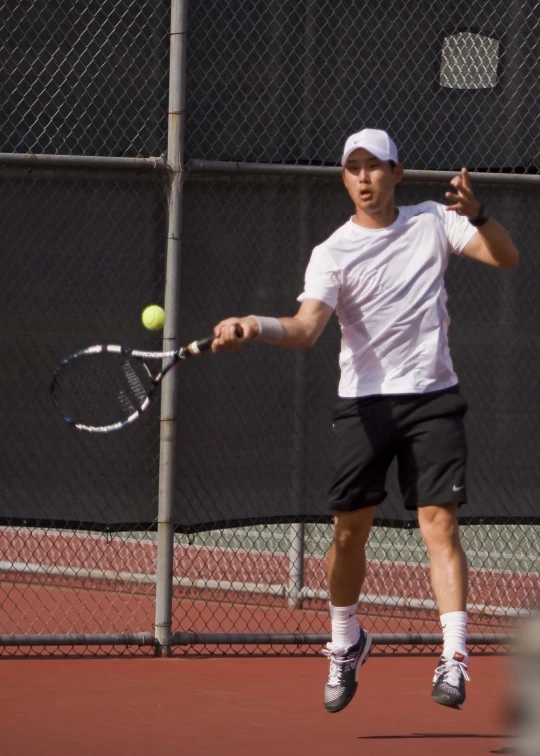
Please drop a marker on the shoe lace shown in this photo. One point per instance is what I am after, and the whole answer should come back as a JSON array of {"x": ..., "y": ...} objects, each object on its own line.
[
  {"x": 451, "y": 671},
  {"x": 337, "y": 666}
]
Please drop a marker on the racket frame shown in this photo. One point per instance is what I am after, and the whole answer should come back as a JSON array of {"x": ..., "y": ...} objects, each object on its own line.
[{"x": 174, "y": 356}]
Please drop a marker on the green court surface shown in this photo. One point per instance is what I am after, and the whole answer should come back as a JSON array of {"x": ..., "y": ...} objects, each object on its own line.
[{"x": 515, "y": 548}]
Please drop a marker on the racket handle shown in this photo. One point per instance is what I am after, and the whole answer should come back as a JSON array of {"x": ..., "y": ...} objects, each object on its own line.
[{"x": 202, "y": 345}]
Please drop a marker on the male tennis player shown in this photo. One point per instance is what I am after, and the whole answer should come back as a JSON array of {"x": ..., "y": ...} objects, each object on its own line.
[{"x": 383, "y": 274}]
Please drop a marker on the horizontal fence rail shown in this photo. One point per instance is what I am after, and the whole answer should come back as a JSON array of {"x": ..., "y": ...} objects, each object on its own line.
[
  {"x": 389, "y": 639},
  {"x": 120, "y": 639},
  {"x": 74, "y": 162},
  {"x": 279, "y": 169}
]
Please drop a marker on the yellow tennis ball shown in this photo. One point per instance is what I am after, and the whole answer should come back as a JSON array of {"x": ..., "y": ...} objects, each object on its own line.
[{"x": 153, "y": 317}]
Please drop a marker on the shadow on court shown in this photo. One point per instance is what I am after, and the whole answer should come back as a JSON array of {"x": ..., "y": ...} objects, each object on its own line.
[{"x": 432, "y": 735}]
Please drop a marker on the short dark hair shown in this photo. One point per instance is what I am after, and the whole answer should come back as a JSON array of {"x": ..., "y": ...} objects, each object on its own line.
[{"x": 392, "y": 164}]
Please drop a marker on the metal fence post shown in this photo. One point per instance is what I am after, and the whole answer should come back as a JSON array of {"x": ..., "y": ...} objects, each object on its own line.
[
  {"x": 297, "y": 530},
  {"x": 296, "y": 564},
  {"x": 175, "y": 160}
]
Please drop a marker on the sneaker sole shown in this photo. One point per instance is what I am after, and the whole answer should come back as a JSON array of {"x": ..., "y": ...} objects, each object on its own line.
[
  {"x": 345, "y": 703},
  {"x": 443, "y": 701},
  {"x": 362, "y": 661}
]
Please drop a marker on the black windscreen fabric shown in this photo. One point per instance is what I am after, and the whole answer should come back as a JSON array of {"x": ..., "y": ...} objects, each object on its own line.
[
  {"x": 80, "y": 259},
  {"x": 254, "y": 429}
]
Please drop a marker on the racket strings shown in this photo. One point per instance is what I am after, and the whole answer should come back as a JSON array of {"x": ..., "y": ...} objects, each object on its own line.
[
  {"x": 101, "y": 389},
  {"x": 138, "y": 391}
]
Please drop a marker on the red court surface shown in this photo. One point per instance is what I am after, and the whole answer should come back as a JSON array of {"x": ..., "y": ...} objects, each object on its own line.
[{"x": 243, "y": 707}]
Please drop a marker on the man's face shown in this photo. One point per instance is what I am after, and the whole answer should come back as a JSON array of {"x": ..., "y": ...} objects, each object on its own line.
[{"x": 371, "y": 182}]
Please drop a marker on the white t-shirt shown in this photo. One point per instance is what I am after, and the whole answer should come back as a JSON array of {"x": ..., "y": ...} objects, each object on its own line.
[{"x": 387, "y": 288}]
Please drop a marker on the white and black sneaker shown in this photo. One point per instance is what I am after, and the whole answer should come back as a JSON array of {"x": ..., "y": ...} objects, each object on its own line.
[
  {"x": 344, "y": 665},
  {"x": 449, "y": 681}
]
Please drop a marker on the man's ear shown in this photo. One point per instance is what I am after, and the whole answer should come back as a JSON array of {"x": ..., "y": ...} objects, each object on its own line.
[{"x": 398, "y": 173}]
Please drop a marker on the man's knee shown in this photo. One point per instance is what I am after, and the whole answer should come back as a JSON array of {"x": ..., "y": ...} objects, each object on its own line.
[
  {"x": 351, "y": 529},
  {"x": 439, "y": 525}
]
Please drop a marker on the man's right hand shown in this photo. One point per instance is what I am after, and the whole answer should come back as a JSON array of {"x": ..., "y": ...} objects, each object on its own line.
[{"x": 227, "y": 339}]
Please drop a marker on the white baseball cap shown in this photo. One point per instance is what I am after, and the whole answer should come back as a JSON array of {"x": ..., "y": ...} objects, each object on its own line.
[{"x": 375, "y": 141}]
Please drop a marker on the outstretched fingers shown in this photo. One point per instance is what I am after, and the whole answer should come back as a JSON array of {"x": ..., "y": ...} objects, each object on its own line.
[{"x": 462, "y": 199}]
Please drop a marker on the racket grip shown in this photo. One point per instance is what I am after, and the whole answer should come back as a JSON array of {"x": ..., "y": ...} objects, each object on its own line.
[{"x": 203, "y": 345}]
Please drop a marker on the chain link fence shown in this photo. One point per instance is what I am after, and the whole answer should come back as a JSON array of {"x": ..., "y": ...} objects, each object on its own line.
[
  {"x": 79, "y": 254},
  {"x": 84, "y": 77},
  {"x": 453, "y": 82},
  {"x": 84, "y": 249}
]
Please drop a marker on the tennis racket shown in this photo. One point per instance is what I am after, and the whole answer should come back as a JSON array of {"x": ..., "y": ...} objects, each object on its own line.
[{"x": 103, "y": 388}]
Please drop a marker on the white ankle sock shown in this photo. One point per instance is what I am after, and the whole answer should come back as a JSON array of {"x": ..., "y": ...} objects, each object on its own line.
[
  {"x": 454, "y": 627},
  {"x": 345, "y": 627}
]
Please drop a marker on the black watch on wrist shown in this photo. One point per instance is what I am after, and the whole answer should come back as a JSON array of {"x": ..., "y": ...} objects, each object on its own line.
[{"x": 481, "y": 218}]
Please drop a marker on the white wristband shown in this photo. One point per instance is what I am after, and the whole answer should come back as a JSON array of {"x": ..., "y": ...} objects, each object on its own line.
[{"x": 270, "y": 329}]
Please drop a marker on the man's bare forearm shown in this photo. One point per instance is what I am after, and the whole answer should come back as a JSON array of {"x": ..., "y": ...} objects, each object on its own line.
[
  {"x": 297, "y": 334},
  {"x": 499, "y": 243}
]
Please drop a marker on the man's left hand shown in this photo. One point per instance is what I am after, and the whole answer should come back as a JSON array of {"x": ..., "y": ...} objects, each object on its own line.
[{"x": 463, "y": 202}]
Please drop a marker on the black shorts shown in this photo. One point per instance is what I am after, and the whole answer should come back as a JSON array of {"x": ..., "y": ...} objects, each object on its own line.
[{"x": 424, "y": 431}]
